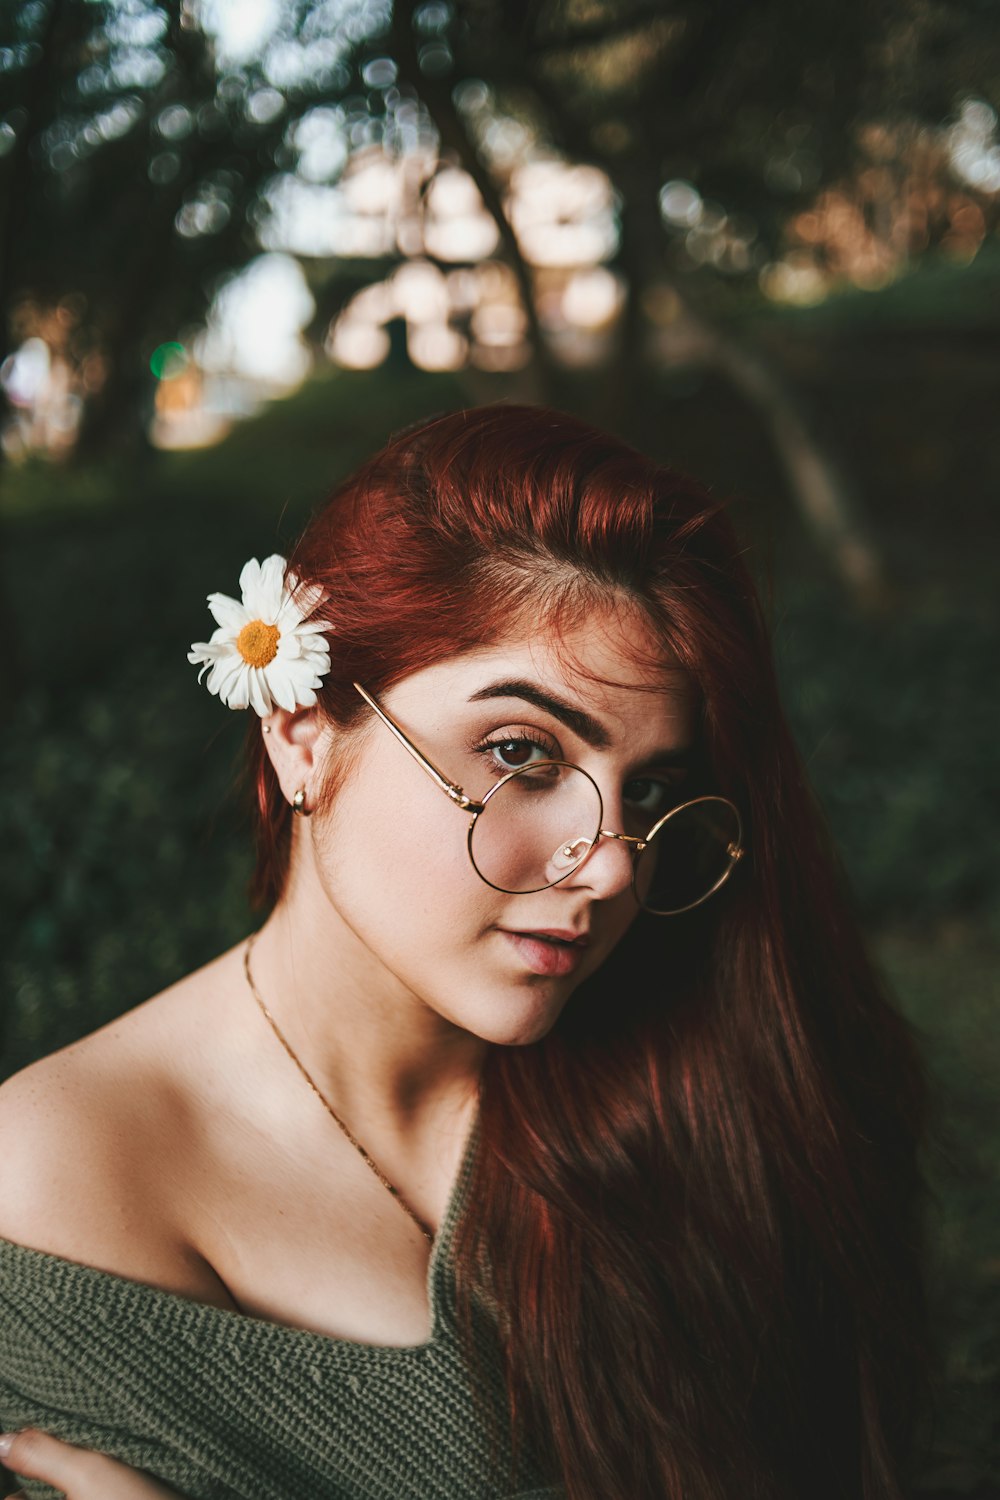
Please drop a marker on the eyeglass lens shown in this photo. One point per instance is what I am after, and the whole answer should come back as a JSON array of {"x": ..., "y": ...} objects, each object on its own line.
[
  {"x": 540, "y": 823},
  {"x": 688, "y": 855},
  {"x": 536, "y": 827}
]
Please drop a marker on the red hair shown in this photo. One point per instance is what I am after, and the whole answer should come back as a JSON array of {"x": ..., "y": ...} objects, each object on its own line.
[{"x": 698, "y": 1204}]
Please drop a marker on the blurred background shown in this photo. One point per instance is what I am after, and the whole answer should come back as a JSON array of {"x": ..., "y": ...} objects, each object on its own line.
[{"x": 243, "y": 241}]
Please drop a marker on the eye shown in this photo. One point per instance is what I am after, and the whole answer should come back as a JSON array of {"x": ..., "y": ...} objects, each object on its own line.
[
  {"x": 510, "y": 752},
  {"x": 646, "y": 794}
]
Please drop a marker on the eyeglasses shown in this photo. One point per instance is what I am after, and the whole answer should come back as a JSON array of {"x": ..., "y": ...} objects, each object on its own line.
[{"x": 537, "y": 825}]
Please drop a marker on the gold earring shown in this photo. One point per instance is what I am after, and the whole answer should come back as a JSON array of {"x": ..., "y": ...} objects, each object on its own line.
[{"x": 299, "y": 802}]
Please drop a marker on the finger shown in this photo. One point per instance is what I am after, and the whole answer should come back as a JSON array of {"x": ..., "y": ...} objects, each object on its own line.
[
  {"x": 37, "y": 1455},
  {"x": 80, "y": 1473}
]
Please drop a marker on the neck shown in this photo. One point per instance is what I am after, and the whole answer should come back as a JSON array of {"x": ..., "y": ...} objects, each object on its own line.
[{"x": 379, "y": 1054}]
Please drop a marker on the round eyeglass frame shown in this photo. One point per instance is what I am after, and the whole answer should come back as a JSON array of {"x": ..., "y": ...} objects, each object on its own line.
[
  {"x": 475, "y": 809},
  {"x": 735, "y": 849}
]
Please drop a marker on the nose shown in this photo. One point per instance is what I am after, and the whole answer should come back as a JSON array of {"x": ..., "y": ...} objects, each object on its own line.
[{"x": 606, "y": 868}]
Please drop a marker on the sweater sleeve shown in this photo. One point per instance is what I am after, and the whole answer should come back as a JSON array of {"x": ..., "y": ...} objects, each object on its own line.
[
  {"x": 84, "y": 1359},
  {"x": 221, "y": 1406}
]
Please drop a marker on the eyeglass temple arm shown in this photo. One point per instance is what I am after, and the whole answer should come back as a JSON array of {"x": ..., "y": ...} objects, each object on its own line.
[{"x": 448, "y": 787}]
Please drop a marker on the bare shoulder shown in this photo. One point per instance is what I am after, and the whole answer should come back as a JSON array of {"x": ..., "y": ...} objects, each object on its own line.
[{"x": 91, "y": 1142}]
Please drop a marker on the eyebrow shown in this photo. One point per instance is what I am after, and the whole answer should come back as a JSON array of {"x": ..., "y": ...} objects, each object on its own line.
[{"x": 584, "y": 725}]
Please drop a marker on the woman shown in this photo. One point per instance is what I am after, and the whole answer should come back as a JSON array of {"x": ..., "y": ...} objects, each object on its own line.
[{"x": 559, "y": 953}]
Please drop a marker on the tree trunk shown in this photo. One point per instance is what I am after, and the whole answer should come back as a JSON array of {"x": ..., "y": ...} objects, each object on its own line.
[
  {"x": 817, "y": 479},
  {"x": 436, "y": 97},
  {"x": 116, "y": 419}
]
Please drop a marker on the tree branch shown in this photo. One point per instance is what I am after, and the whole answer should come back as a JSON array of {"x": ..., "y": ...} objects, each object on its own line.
[
  {"x": 596, "y": 33},
  {"x": 454, "y": 135},
  {"x": 15, "y": 198}
]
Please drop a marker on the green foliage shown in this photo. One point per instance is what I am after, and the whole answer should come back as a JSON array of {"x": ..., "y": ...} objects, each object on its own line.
[
  {"x": 935, "y": 293},
  {"x": 949, "y": 988},
  {"x": 898, "y": 733}
]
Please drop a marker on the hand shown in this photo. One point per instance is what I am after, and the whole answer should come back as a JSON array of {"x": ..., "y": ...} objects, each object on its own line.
[{"x": 79, "y": 1473}]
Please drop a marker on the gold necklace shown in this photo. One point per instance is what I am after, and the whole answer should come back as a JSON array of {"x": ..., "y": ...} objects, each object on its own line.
[{"x": 352, "y": 1138}]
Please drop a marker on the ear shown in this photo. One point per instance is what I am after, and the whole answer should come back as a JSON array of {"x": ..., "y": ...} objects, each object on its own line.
[{"x": 295, "y": 742}]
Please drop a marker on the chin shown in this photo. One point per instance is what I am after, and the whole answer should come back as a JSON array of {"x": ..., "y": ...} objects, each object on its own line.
[{"x": 520, "y": 1022}]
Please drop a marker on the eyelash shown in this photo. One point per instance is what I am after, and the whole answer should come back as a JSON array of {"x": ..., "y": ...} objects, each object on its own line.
[
  {"x": 670, "y": 786},
  {"x": 519, "y": 737}
]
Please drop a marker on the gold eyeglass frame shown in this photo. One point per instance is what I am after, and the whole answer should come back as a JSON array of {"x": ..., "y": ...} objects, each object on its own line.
[{"x": 461, "y": 799}]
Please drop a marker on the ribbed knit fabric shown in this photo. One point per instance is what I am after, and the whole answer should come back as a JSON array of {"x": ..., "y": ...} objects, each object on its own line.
[{"x": 222, "y": 1406}]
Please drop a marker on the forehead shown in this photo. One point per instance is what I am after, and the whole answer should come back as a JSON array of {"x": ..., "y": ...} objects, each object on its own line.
[{"x": 611, "y": 662}]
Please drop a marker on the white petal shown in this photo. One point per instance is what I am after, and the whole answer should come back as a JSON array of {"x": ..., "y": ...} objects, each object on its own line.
[
  {"x": 318, "y": 656},
  {"x": 282, "y": 687},
  {"x": 289, "y": 646},
  {"x": 313, "y": 651},
  {"x": 228, "y": 612},
  {"x": 215, "y": 674},
  {"x": 307, "y": 595},
  {"x": 219, "y": 677},
  {"x": 311, "y": 596},
  {"x": 209, "y": 650},
  {"x": 291, "y": 612},
  {"x": 300, "y": 600},
  {"x": 270, "y": 588},
  {"x": 222, "y": 639},
  {"x": 260, "y": 697},
  {"x": 249, "y": 584},
  {"x": 312, "y": 674},
  {"x": 229, "y": 674},
  {"x": 209, "y": 653},
  {"x": 305, "y": 679},
  {"x": 307, "y": 671},
  {"x": 239, "y": 693},
  {"x": 305, "y": 697}
]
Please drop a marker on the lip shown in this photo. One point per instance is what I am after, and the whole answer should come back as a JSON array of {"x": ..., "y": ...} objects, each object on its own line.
[
  {"x": 554, "y": 960},
  {"x": 580, "y": 939}
]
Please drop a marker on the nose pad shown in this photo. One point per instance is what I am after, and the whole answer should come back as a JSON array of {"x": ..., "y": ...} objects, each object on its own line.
[
  {"x": 569, "y": 856},
  {"x": 606, "y": 863}
]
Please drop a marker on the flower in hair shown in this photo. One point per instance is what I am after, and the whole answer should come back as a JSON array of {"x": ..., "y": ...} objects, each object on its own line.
[{"x": 266, "y": 652}]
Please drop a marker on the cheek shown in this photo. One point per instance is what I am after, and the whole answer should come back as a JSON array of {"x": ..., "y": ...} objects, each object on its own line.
[
  {"x": 401, "y": 861},
  {"x": 397, "y": 870}
]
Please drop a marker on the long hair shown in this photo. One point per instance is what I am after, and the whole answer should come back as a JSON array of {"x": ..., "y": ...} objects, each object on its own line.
[{"x": 698, "y": 1200}]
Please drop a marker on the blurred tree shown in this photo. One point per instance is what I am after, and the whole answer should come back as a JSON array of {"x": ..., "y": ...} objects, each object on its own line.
[
  {"x": 132, "y": 170},
  {"x": 151, "y": 148},
  {"x": 720, "y": 124}
]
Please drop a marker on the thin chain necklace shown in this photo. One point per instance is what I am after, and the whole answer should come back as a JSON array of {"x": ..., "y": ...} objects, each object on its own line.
[{"x": 352, "y": 1138}]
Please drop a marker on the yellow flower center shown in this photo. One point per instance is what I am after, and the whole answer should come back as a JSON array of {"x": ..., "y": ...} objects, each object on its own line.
[{"x": 257, "y": 643}]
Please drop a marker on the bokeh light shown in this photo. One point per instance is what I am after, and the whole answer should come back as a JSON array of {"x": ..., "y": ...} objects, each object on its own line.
[{"x": 168, "y": 360}]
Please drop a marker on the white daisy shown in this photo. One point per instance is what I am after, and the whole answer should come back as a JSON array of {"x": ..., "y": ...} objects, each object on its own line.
[{"x": 265, "y": 652}]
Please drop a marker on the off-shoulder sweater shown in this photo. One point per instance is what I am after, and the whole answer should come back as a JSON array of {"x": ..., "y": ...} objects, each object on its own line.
[{"x": 225, "y": 1406}]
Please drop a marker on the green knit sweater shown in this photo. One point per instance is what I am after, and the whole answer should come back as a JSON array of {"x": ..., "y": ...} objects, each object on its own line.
[{"x": 223, "y": 1406}]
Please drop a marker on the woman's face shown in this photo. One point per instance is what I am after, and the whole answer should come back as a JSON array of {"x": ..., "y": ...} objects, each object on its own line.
[{"x": 392, "y": 854}]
